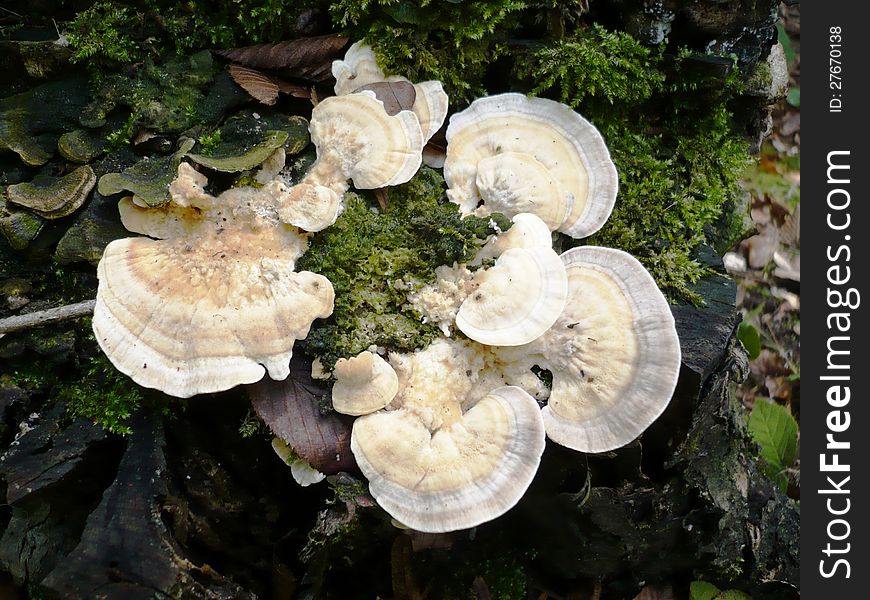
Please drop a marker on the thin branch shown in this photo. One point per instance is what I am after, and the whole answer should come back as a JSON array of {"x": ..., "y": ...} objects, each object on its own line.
[{"x": 46, "y": 317}]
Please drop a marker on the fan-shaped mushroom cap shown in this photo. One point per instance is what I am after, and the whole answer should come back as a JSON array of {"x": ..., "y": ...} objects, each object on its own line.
[
  {"x": 527, "y": 231},
  {"x": 514, "y": 182},
  {"x": 54, "y": 197},
  {"x": 363, "y": 384},
  {"x": 359, "y": 68},
  {"x": 545, "y": 131},
  {"x": 309, "y": 207},
  {"x": 209, "y": 309},
  {"x": 517, "y": 300},
  {"x": 437, "y": 468},
  {"x": 614, "y": 353},
  {"x": 356, "y": 139},
  {"x": 430, "y": 106}
]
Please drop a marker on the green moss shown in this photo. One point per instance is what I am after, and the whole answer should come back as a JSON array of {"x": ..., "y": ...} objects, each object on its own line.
[
  {"x": 446, "y": 40},
  {"x": 100, "y": 35},
  {"x": 103, "y": 395},
  {"x": 374, "y": 258}
]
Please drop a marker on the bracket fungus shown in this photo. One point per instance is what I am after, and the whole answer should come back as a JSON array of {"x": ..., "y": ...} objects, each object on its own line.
[
  {"x": 217, "y": 302},
  {"x": 442, "y": 458},
  {"x": 363, "y": 384},
  {"x": 614, "y": 353},
  {"x": 360, "y": 69},
  {"x": 54, "y": 197},
  {"x": 511, "y": 152}
]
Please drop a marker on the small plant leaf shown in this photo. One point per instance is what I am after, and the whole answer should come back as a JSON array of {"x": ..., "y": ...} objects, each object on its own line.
[
  {"x": 776, "y": 431},
  {"x": 748, "y": 336},
  {"x": 733, "y": 595},
  {"x": 794, "y": 97},
  {"x": 701, "y": 590}
]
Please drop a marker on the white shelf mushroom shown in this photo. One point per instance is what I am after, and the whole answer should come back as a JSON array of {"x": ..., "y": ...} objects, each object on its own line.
[
  {"x": 496, "y": 149},
  {"x": 614, "y": 353},
  {"x": 360, "y": 68},
  {"x": 441, "y": 460},
  {"x": 215, "y": 303},
  {"x": 363, "y": 384}
]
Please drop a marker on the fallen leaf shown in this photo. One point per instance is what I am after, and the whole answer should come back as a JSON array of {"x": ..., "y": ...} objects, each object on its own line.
[
  {"x": 257, "y": 84},
  {"x": 656, "y": 593},
  {"x": 396, "y": 95},
  {"x": 290, "y": 409},
  {"x": 405, "y": 586},
  {"x": 307, "y": 58},
  {"x": 265, "y": 87}
]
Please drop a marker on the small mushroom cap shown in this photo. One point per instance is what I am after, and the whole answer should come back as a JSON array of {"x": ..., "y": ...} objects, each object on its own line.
[
  {"x": 363, "y": 384},
  {"x": 551, "y": 133},
  {"x": 309, "y": 207},
  {"x": 471, "y": 469},
  {"x": 54, "y": 197},
  {"x": 167, "y": 221},
  {"x": 527, "y": 231},
  {"x": 518, "y": 298},
  {"x": 357, "y": 138},
  {"x": 614, "y": 353},
  {"x": 359, "y": 68},
  {"x": 514, "y": 182}
]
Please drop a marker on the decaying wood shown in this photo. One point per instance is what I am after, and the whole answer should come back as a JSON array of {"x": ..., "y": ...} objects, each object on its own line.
[{"x": 47, "y": 317}]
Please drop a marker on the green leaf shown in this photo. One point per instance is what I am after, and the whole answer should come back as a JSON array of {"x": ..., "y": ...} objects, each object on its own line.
[
  {"x": 794, "y": 97},
  {"x": 783, "y": 39},
  {"x": 733, "y": 595},
  {"x": 748, "y": 336},
  {"x": 775, "y": 430},
  {"x": 701, "y": 590}
]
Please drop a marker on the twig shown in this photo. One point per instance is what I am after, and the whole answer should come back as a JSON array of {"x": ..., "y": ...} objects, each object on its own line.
[
  {"x": 12, "y": 12},
  {"x": 46, "y": 317}
]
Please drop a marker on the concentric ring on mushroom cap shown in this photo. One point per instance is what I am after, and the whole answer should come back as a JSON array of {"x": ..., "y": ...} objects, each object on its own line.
[
  {"x": 614, "y": 353},
  {"x": 355, "y": 136},
  {"x": 207, "y": 308},
  {"x": 518, "y": 298},
  {"x": 459, "y": 475},
  {"x": 552, "y": 134}
]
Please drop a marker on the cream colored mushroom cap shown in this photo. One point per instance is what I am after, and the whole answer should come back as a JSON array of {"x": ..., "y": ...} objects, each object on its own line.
[
  {"x": 456, "y": 476},
  {"x": 162, "y": 222},
  {"x": 363, "y": 384},
  {"x": 518, "y": 298},
  {"x": 527, "y": 231},
  {"x": 359, "y": 68},
  {"x": 614, "y": 353},
  {"x": 551, "y": 133},
  {"x": 430, "y": 106},
  {"x": 367, "y": 145},
  {"x": 195, "y": 316},
  {"x": 514, "y": 182},
  {"x": 309, "y": 207}
]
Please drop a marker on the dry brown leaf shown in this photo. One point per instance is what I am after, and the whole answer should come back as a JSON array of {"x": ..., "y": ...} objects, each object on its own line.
[
  {"x": 304, "y": 58},
  {"x": 396, "y": 95},
  {"x": 257, "y": 84},
  {"x": 290, "y": 409}
]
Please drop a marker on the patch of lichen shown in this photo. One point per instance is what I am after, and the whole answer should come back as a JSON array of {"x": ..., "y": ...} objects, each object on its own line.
[
  {"x": 669, "y": 130},
  {"x": 374, "y": 257},
  {"x": 446, "y": 40}
]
